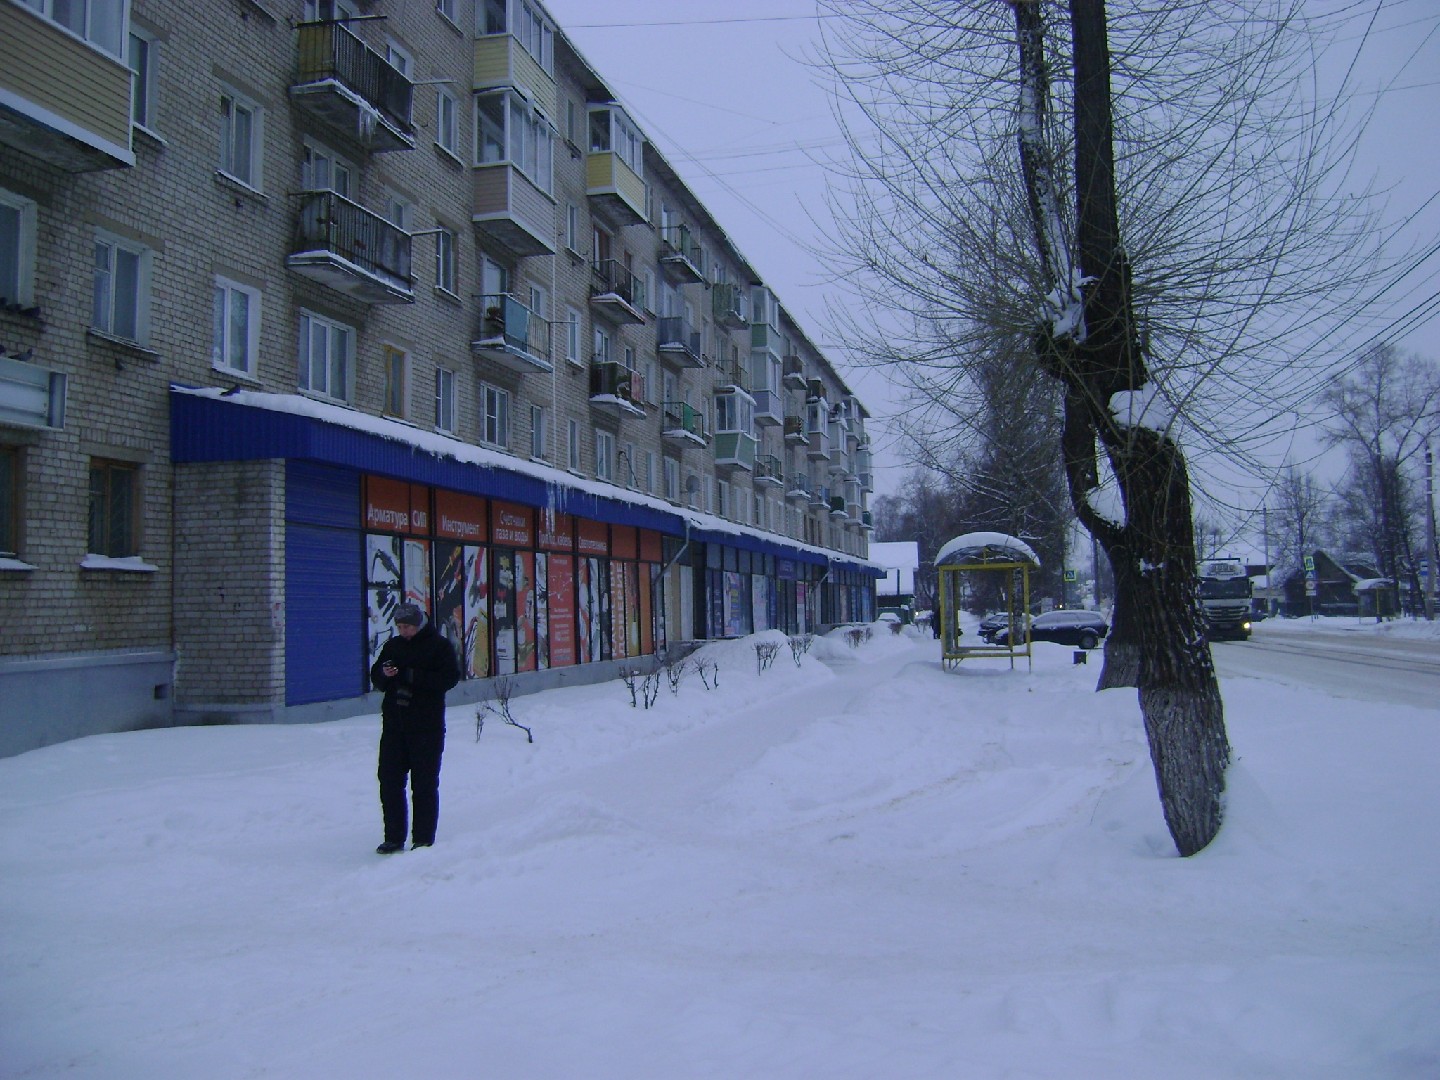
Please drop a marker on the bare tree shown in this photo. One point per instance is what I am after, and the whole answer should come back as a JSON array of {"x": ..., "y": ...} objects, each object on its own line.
[
  {"x": 1297, "y": 521},
  {"x": 1153, "y": 222}
]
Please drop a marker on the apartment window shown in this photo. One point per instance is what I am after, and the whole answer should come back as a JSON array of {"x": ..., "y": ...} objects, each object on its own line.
[
  {"x": 539, "y": 431},
  {"x": 241, "y": 130},
  {"x": 329, "y": 11},
  {"x": 121, "y": 306},
  {"x": 235, "y": 344},
  {"x": 447, "y": 125},
  {"x": 322, "y": 169},
  {"x": 100, "y": 22},
  {"x": 722, "y": 497},
  {"x": 602, "y": 346},
  {"x": 572, "y": 445},
  {"x": 397, "y": 371},
  {"x": 445, "y": 403},
  {"x": 17, "y": 250},
  {"x": 142, "y": 60},
  {"x": 572, "y": 226},
  {"x": 734, "y": 412},
  {"x": 572, "y": 122},
  {"x": 672, "y": 479},
  {"x": 629, "y": 475},
  {"x": 399, "y": 58},
  {"x": 494, "y": 416},
  {"x": 572, "y": 334},
  {"x": 114, "y": 508},
  {"x": 445, "y": 259},
  {"x": 604, "y": 455},
  {"x": 9, "y": 500},
  {"x": 647, "y": 477},
  {"x": 535, "y": 34},
  {"x": 446, "y": 8},
  {"x": 326, "y": 352}
]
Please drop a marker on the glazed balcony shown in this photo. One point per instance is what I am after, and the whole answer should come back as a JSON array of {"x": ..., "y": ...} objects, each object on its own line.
[
  {"x": 613, "y": 178},
  {"x": 682, "y": 424},
  {"x": 501, "y": 61},
  {"x": 818, "y": 448},
  {"x": 677, "y": 342},
  {"x": 512, "y": 335},
  {"x": 616, "y": 292},
  {"x": 768, "y": 470},
  {"x": 352, "y": 89},
  {"x": 730, "y": 305},
  {"x": 511, "y": 212},
  {"x": 616, "y": 388},
  {"x": 66, "y": 102},
  {"x": 681, "y": 256},
  {"x": 352, "y": 250},
  {"x": 734, "y": 451},
  {"x": 769, "y": 407}
]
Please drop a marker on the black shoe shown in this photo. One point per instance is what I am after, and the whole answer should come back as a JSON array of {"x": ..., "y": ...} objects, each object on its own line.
[
  {"x": 389, "y": 848},
  {"x": 418, "y": 844}
]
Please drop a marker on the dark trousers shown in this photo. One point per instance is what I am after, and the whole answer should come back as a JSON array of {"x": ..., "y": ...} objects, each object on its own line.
[{"x": 414, "y": 749}]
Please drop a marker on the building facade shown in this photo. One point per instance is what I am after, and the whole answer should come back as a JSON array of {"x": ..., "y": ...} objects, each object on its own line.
[{"x": 311, "y": 307}]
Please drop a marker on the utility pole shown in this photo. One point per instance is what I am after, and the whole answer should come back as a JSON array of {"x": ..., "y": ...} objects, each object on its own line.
[{"x": 1432, "y": 571}]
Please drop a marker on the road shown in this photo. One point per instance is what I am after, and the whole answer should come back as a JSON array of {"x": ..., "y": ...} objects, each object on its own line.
[{"x": 1363, "y": 666}]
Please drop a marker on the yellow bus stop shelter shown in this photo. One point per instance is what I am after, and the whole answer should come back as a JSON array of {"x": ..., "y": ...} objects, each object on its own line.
[{"x": 991, "y": 553}]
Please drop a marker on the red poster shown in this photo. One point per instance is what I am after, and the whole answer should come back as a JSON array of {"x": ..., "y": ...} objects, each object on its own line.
[
  {"x": 524, "y": 611},
  {"x": 562, "y": 610},
  {"x": 420, "y": 509},
  {"x": 512, "y": 524},
  {"x": 622, "y": 542},
  {"x": 387, "y": 505},
  {"x": 647, "y": 635},
  {"x": 460, "y": 517}
]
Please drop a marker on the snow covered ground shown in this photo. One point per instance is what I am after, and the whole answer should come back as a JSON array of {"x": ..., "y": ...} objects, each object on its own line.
[{"x": 860, "y": 866}]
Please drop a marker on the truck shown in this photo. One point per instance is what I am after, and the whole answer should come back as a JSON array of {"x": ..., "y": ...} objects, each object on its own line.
[{"x": 1225, "y": 592}]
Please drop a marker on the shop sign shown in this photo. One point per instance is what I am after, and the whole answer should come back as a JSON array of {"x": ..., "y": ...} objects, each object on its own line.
[
  {"x": 512, "y": 524},
  {"x": 622, "y": 541},
  {"x": 594, "y": 537},
  {"x": 388, "y": 506},
  {"x": 460, "y": 517},
  {"x": 557, "y": 530}
]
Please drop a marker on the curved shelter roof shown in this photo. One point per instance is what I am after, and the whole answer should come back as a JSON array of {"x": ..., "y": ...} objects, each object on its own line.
[{"x": 985, "y": 547}]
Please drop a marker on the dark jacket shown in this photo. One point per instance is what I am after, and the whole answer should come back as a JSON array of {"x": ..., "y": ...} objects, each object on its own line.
[{"x": 428, "y": 668}]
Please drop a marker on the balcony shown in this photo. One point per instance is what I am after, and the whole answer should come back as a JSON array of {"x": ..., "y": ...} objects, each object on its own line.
[
  {"x": 352, "y": 89},
  {"x": 837, "y": 506},
  {"x": 341, "y": 244},
  {"x": 730, "y": 305},
  {"x": 867, "y": 522},
  {"x": 616, "y": 388},
  {"x": 501, "y": 61},
  {"x": 613, "y": 178},
  {"x": 616, "y": 292},
  {"x": 511, "y": 212},
  {"x": 731, "y": 377},
  {"x": 819, "y": 495},
  {"x": 512, "y": 335},
  {"x": 815, "y": 390},
  {"x": 864, "y": 467},
  {"x": 681, "y": 256},
  {"x": 682, "y": 424},
  {"x": 794, "y": 376},
  {"x": 819, "y": 446},
  {"x": 769, "y": 407},
  {"x": 65, "y": 102},
  {"x": 798, "y": 487},
  {"x": 768, "y": 470},
  {"x": 734, "y": 450},
  {"x": 794, "y": 426},
  {"x": 676, "y": 342}
]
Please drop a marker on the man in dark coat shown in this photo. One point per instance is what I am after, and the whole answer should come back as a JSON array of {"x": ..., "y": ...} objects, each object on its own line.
[{"x": 415, "y": 668}]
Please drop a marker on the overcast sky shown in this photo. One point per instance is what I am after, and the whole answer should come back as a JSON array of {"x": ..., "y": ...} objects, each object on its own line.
[{"x": 723, "y": 93}]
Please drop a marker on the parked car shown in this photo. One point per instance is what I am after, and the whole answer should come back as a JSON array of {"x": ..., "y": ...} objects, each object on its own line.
[
  {"x": 1082, "y": 629},
  {"x": 992, "y": 625}
]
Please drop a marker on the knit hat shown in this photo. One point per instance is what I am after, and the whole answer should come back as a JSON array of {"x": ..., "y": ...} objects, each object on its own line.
[{"x": 409, "y": 614}]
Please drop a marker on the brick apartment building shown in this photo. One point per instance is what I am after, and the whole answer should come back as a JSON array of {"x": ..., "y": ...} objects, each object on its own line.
[{"x": 308, "y": 307}]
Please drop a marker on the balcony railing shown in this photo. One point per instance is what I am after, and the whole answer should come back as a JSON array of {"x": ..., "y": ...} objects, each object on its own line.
[
  {"x": 730, "y": 375},
  {"x": 512, "y": 334},
  {"x": 731, "y": 306},
  {"x": 374, "y": 108},
  {"x": 795, "y": 429},
  {"x": 794, "y": 376},
  {"x": 677, "y": 342},
  {"x": 867, "y": 522},
  {"x": 615, "y": 290},
  {"x": 614, "y": 386},
  {"x": 683, "y": 423},
  {"x": 768, "y": 470},
  {"x": 797, "y": 486},
  {"x": 351, "y": 249},
  {"x": 681, "y": 255}
]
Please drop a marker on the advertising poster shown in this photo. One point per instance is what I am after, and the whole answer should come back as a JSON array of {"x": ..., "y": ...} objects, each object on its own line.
[
  {"x": 524, "y": 611},
  {"x": 382, "y": 590},
  {"x": 502, "y": 612},
  {"x": 542, "y": 611},
  {"x": 802, "y": 607},
  {"x": 760, "y": 602},
  {"x": 560, "y": 580},
  {"x": 715, "y": 602},
  {"x": 417, "y": 574},
  {"x": 617, "y": 610},
  {"x": 450, "y": 595},
  {"x": 734, "y": 612},
  {"x": 477, "y": 613},
  {"x": 649, "y": 608},
  {"x": 600, "y": 609},
  {"x": 632, "y": 609}
]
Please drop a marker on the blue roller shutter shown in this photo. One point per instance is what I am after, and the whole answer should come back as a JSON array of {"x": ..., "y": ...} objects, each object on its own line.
[{"x": 324, "y": 590}]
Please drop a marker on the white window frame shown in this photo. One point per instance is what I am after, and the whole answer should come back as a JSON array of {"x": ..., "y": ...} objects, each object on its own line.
[
  {"x": 109, "y": 279},
  {"x": 20, "y": 259},
  {"x": 321, "y": 382},
  {"x": 603, "y": 345},
  {"x": 396, "y": 410},
  {"x": 494, "y": 416},
  {"x": 108, "y": 35},
  {"x": 446, "y": 10},
  {"x": 572, "y": 227},
  {"x": 446, "y": 246},
  {"x": 232, "y": 102},
  {"x": 447, "y": 121},
  {"x": 671, "y": 469},
  {"x": 322, "y": 169},
  {"x": 228, "y": 294},
  {"x": 604, "y": 455},
  {"x": 398, "y": 57},
  {"x": 445, "y": 401},
  {"x": 526, "y": 141},
  {"x": 572, "y": 335},
  {"x": 572, "y": 445}
]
